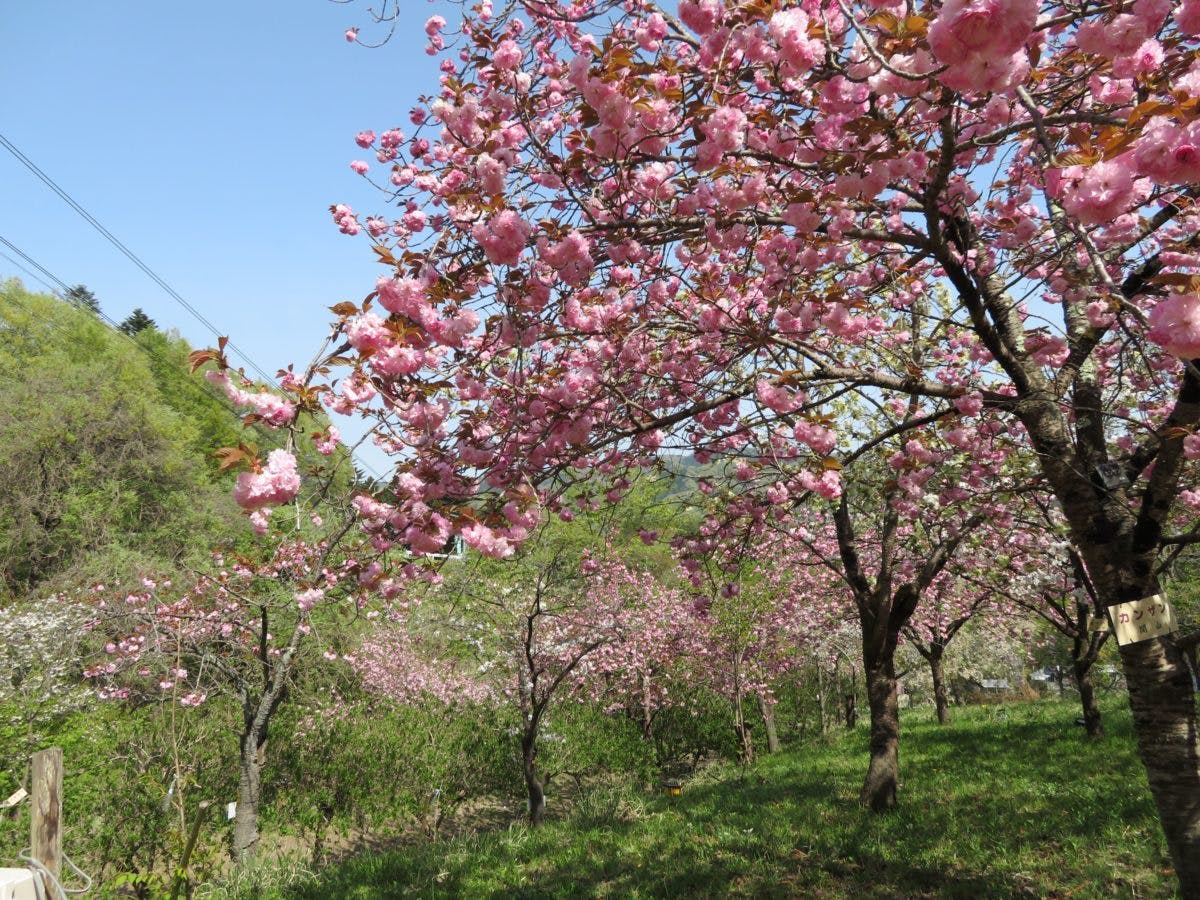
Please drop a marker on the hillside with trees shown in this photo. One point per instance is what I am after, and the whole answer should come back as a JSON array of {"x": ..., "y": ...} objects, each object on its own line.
[{"x": 106, "y": 449}]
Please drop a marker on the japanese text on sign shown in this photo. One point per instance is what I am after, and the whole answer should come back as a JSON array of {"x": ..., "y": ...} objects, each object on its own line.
[{"x": 1140, "y": 620}]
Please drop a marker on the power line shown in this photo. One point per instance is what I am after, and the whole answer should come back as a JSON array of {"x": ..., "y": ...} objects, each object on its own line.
[
  {"x": 33, "y": 262},
  {"x": 99, "y": 313},
  {"x": 129, "y": 254},
  {"x": 55, "y": 326},
  {"x": 192, "y": 385},
  {"x": 32, "y": 275}
]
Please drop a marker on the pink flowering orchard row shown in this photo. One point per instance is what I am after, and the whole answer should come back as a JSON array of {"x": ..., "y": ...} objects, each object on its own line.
[{"x": 620, "y": 638}]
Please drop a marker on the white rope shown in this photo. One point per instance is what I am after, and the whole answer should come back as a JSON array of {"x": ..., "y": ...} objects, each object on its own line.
[{"x": 49, "y": 878}]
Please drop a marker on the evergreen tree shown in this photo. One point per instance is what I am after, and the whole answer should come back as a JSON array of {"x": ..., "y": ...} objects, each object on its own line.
[
  {"x": 83, "y": 298},
  {"x": 135, "y": 322}
]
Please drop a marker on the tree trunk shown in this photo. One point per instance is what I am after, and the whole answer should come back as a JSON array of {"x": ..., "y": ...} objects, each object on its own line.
[
  {"x": 1087, "y": 697},
  {"x": 1164, "y": 718},
  {"x": 883, "y": 774},
  {"x": 851, "y": 712},
  {"x": 740, "y": 727},
  {"x": 533, "y": 782},
  {"x": 821, "y": 696},
  {"x": 768, "y": 716},
  {"x": 647, "y": 711},
  {"x": 245, "y": 820},
  {"x": 1163, "y": 703},
  {"x": 940, "y": 699}
]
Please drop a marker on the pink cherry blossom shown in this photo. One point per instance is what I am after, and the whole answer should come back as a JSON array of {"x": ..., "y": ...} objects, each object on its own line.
[
  {"x": 306, "y": 600},
  {"x": 701, "y": 16},
  {"x": 1168, "y": 153},
  {"x": 798, "y": 51},
  {"x": 981, "y": 42},
  {"x": 274, "y": 410},
  {"x": 507, "y": 55},
  {"x": 989, "y": 28},
  {"x": 1105, "y": 190},
  {"x": 1175, "y": 325},
  {"x": 503, "y": 237},
  {"x": 1187, "y": 16},
  {"x": 328, "y": 443},
  {"x": 275, "y": 485}
]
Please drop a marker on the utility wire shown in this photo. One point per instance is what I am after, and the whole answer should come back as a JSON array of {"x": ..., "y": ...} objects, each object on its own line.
[
  {"x": 61, "y": 292},
  {"x": 129, "y": 254},
  {"x": 33, "y": 262},
  {"x": 28, "y": 272},
  {"x": 55, "y": 326},
  {"x": 64, "y": 288}
]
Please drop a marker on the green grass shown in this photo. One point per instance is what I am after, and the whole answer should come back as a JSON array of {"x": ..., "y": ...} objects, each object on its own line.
[{"x": 1008, "y": 801}]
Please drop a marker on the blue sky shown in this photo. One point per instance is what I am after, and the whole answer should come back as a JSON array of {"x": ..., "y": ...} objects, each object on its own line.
[{"x": 210, "y": 138}]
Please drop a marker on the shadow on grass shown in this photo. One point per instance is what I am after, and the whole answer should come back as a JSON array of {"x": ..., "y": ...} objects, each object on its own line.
[{"x": 1008, "y": 806}]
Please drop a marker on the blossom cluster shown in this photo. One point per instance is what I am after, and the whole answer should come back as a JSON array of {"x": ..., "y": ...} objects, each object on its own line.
[
  {"x": 276, "y": 484},
  {"x": 272, "y": 409}
]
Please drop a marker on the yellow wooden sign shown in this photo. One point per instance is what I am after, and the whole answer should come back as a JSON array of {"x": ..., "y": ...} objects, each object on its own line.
[{"x": 1140, "y": 620}]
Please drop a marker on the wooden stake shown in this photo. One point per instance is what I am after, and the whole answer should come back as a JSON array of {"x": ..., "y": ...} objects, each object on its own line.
[{"x": 45, "y": 832}]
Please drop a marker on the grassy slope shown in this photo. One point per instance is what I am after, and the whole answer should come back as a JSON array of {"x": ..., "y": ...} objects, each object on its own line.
[{"x": 1006, "y": 802}]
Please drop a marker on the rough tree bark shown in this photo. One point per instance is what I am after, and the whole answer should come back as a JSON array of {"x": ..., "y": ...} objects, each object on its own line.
[
  {"x": 249, "y": 799},
  {"x": 941, "y": 700},
  {"x": 767, "y": 709},
  {"x": 1092, "y": 722},
  {"x": 533, "y": 782},
  {"x": 883, "y": 773},
  {"x": 1164, "y": 716},
  {"x": 257, "y": 713},
  {"x": 1121, "y": 548}
]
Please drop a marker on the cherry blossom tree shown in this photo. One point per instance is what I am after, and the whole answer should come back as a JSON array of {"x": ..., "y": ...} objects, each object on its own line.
[
  {"x": 1050, "y": 580},
  {"x": 236, "y": 631},
  {"x": 236, "y": 628},
  {"x": 948, "y": 606},
  {"x": 889, "y": 566},
  {"x": 399, "y": 665},
  {"x": 916, "y": 505},
  {"x": 767, "y": 605},
  {"x": 623, "y": 224},
  {"x": 41, "y": 645},
  {"x": 553, "y": 624}
]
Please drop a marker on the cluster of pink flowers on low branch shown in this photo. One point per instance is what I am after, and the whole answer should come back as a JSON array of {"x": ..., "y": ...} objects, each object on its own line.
[
  {"x": 271, "y": 409},
  {"x": 274, "y": 485}
]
